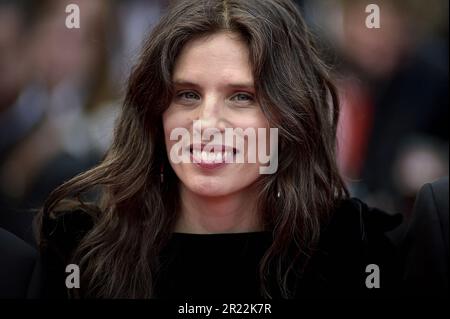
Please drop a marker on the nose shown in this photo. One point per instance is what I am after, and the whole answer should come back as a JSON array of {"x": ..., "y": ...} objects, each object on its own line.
[{"x": 211, "y": 113}]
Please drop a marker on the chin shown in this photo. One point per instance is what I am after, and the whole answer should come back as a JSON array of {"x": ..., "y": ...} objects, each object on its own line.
[
  {"x": 210, "y": 186},
  {"x": 215, "y": 184}
]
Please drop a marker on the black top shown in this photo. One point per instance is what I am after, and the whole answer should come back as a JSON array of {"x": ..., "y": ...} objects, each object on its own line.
[{"x": 226, "y": 265}]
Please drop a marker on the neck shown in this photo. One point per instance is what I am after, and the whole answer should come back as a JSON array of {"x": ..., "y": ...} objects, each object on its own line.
[{"x": 232, "y": 213}]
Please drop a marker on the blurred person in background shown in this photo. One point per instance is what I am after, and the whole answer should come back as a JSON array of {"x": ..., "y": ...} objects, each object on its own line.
[
  {"x": 55, "y": 87},
  {"x": 394, "y": 90},
  {"x": 20, "y": 114}
]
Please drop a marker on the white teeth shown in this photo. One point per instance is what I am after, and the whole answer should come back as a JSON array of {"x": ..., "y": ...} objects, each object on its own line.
[
  {"x": 198, "y": 154},
  {"x": 211, "y": 156}
]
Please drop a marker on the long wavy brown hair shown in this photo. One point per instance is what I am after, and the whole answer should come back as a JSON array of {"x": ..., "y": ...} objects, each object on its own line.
[{"x": 135, "y": 215}]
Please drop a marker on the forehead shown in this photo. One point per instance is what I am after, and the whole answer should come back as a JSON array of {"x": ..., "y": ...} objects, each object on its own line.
[{"x": 221, "y": 56}]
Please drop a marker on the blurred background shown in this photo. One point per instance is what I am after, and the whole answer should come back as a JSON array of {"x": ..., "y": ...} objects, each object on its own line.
[{"x": 61, "y": 89}]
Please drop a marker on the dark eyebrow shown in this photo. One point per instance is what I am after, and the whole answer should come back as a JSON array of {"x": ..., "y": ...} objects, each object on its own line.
[
  {"x": 246, "y": 85},
  {"x": 184, "y": 83}
]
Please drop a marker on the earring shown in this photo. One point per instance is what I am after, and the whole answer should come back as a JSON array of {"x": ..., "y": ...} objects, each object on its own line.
[
  {"x": 278, "y": 194},
  {"x": 162, "y": 173}
]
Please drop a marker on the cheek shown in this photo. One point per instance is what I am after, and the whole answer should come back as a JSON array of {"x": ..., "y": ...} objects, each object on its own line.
[
  {"x": 171, "y": 120},
  {"x": 255, "y": 121}
]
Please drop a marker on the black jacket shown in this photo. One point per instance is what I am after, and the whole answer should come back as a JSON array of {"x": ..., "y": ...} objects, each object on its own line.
[{"x": 424, "y": 247}]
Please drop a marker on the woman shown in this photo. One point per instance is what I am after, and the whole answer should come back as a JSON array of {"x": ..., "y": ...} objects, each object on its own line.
[{"x": 206, "y": 227}]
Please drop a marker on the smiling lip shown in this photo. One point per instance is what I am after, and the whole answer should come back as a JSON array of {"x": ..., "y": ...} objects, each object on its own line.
[{"x": 216, "y": 157}]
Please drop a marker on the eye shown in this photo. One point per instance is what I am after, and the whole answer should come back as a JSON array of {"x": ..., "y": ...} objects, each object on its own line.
[
  {"x": 188, "y": 96},
  {"x": 242, "y": 97}
]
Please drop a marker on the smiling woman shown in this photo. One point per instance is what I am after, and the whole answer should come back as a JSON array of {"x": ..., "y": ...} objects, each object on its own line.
[{"x": 209, "y": 227}]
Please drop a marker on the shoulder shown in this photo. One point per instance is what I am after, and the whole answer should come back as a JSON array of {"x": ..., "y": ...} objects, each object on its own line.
[
  {"x": 355, "y": 225},
  {"x": 60, "y": 235},
  {"x": 353, "y": 216},
  {"x": 62, "y": 232},
  {"x": 354, "y": 239}
]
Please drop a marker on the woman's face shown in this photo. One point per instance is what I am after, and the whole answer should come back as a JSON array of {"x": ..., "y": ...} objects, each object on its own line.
[{"x": 214, "y": 85}]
